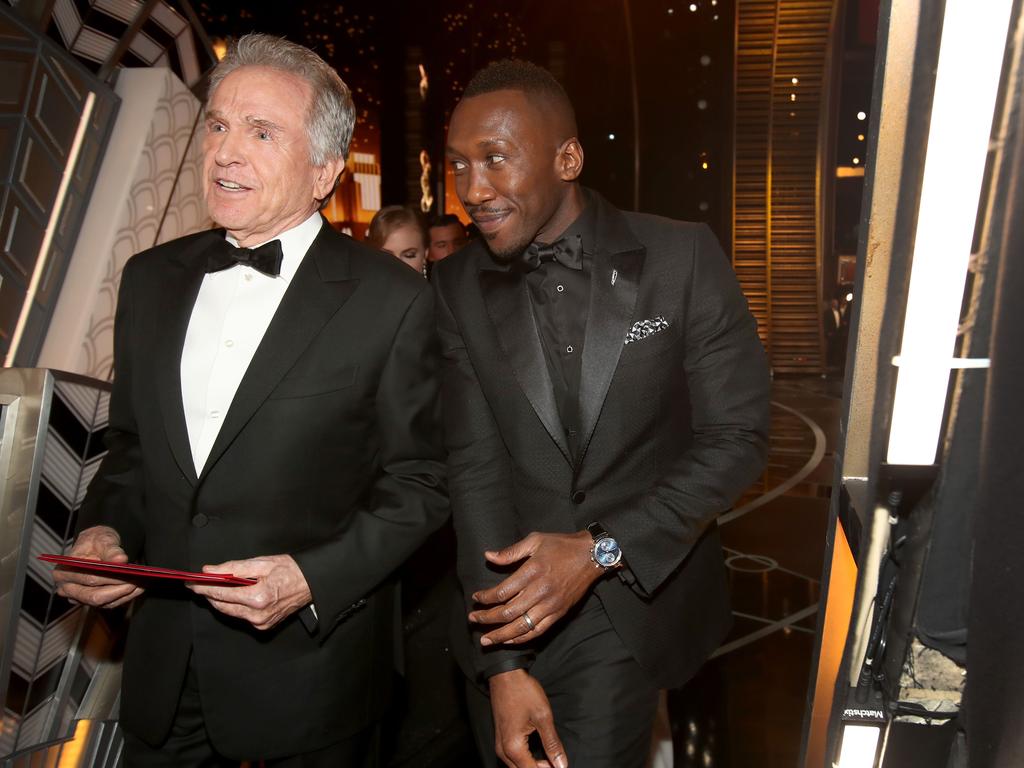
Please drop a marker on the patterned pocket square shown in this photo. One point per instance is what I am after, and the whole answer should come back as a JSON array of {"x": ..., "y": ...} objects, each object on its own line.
[{"x": 643, "y": 328}]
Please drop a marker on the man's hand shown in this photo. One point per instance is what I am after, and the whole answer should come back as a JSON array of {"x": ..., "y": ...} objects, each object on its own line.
[
  {"x": 521, "y": 707},
  {"x": 280, "y": 591},
  {"x": 100, "y": 542},
  {"x": 557, "y": 573}
]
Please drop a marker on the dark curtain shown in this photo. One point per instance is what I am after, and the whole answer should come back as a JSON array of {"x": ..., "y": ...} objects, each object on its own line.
[{"x": 995, "y": 653}]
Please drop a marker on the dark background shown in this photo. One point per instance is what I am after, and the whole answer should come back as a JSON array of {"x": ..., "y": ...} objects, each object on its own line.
[{"x": 683, "y": 76}]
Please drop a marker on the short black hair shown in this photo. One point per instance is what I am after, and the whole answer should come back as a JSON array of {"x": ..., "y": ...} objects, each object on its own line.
[
  {"x": 445, "y": 219},
  {"x": 525, "y": 76}
]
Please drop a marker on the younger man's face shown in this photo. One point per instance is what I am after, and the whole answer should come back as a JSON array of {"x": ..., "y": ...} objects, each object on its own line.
[{"x": 445, "y": 240}]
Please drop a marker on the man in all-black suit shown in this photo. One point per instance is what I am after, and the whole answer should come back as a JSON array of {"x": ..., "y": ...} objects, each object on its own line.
[
  {"x": 834, "y": 322},
  {"x": 275, "y": 416},
  {"x": 605, "y": 397}
]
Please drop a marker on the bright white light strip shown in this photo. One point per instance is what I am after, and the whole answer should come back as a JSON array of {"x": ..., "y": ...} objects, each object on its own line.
[
  {"x": 51, "y": 228},
  {"x": 970, "y": 59},
  {"x": 956, "y": 362},
  {"x": 860, "y": 742}
]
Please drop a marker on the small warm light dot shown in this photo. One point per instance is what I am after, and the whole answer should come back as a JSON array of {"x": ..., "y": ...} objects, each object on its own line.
[
  {"x": 849, "y": 297},
  {"x": 860, "y": 137},
  {"x": 792, "y": 97},
  {"x": 704, "y": 165},
  {"x": 693, "y": 7},
  {"x": 795, "y": 80},
  {"x": 856, "y": 161},
  {"x": 671, "y": 11},
  {"x": 705, "y": 60},
  {"x": 611, "y": 137},
  {"x": 702, "y": 104},
  {"x": 703, "y": 205},
  {"x": 862, "y": 116}
]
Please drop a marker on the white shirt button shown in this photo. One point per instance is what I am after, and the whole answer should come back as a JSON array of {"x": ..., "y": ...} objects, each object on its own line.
[
  {"x": 229, "y": 343},
  {"x": 248, "y": 277}
]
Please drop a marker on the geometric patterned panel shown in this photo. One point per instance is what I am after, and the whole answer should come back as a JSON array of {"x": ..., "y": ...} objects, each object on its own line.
[
  {"x": 108, "y": 33},
  {"x": 43, "y": 94},
  {"x": 165, "y": 202},
  {"x": 96, "y": 744},
  {"x": 46, "y": 678},
  {"x": 185, "y": 212},
  {"x": 782, "y": 49}
]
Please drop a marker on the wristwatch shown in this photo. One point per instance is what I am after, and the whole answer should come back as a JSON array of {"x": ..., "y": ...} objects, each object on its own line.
[{"x": 605, "y": 552}]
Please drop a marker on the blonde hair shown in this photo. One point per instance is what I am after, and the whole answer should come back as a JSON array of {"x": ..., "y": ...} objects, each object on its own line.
[{"x": 392, "y": 217}]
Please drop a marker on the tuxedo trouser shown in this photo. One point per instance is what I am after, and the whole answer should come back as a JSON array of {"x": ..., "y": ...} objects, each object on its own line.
[
  {"x": 188, "y": 744},
  {"x": 603, "y": 702}
]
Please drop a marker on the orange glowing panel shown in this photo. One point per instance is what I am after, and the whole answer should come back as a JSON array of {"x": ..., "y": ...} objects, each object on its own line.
[
  {"x": 451, "y": 199},
  {"x": 842, "y": 584},
  {"x": 71, "y": 754},
  {"x": 357, "y": 197}
]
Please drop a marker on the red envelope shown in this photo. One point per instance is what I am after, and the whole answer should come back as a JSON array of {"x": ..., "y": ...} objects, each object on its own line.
[{"x": 146, "y": 571}]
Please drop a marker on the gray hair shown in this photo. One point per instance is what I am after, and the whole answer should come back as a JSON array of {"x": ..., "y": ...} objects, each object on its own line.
[{"x": 332, "y": 114}]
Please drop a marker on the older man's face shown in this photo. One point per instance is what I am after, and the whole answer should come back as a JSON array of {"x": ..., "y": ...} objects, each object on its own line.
[{"x": 258, "y": 177}]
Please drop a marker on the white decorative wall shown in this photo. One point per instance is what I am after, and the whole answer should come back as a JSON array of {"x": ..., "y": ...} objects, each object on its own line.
[{"x": 149, "y": 191}]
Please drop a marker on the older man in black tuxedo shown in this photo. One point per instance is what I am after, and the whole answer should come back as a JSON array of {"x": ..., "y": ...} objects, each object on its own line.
[
  {"x": 605, "y": 397},
  {"x": 274, "y": 415}
]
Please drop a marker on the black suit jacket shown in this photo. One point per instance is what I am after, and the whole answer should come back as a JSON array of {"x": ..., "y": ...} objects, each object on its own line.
[
  {"x": 828, "y": 322},
  {"x": 330, "y": 452},
  {"x": 673, "y": 428}
]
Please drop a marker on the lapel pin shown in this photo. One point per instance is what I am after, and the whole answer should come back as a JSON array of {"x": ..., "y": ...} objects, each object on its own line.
[{"x": 615, "y": 276}]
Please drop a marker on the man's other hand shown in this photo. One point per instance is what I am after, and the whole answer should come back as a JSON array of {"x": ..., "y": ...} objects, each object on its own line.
[
  {"x": 520, "y": 707},
  {"x": 281, "y": 590},
  {"x": 100, "y": 542},
  {"x": 556, "y": 575}
]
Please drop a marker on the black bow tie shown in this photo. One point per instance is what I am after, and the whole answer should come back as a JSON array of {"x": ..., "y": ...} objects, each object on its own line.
[
  {"x": 567, "y": 252},
  {"x": 266, "y": 258}
]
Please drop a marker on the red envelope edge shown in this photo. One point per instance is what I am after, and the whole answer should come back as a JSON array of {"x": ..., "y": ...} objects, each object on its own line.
[{"x": 147, "y": 571}]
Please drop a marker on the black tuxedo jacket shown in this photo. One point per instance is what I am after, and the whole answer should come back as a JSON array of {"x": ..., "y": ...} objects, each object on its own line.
[
  {"x": 673, "y": 426},
  {"x": 828, "y": 321},
  {"x": 331, "y": 452}
]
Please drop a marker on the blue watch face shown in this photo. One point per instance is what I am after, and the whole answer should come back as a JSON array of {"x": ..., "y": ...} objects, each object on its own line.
[{"x": 607, "y": 552}]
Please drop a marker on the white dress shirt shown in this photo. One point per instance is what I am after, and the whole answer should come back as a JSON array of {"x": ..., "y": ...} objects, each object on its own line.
[{"x": 231, "y": 314}]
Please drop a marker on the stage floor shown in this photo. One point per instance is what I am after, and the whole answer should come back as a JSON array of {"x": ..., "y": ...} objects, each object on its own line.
[{"x": 746, "y": 707}]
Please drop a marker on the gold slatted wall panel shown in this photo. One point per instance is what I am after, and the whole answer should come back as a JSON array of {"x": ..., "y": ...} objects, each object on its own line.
[
  {"x": 776, "y": 217},
  {"x": 755, "y": 47}
]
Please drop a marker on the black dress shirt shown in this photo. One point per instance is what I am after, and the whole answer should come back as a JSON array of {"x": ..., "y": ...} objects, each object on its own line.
[{"x": 560, "y": 297}]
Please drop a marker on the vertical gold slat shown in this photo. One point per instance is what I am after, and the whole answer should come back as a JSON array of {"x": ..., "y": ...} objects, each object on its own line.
[{"x": 777, "y": 247}]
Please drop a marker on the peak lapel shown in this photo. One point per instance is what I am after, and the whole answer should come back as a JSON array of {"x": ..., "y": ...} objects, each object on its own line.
[
  {"x": 508, "y": 304},
  {"x": 320, "y": 287},
  {"x": 177, "y": 297},
  {"x": 614, "y": 284}
]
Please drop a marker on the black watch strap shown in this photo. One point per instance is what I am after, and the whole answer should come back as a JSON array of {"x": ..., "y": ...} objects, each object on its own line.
[{"x": 597, "y": 531}]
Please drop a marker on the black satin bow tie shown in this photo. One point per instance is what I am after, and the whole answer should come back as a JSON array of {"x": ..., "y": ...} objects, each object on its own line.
[
  {"x": 566, "y": 252},
  {"x": 266, "y": 258}
]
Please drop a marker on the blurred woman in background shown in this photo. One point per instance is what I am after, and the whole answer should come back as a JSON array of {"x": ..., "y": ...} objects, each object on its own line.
[
  {"x": 429, "y": 727},
  {"x": 401, "y": 231}
]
